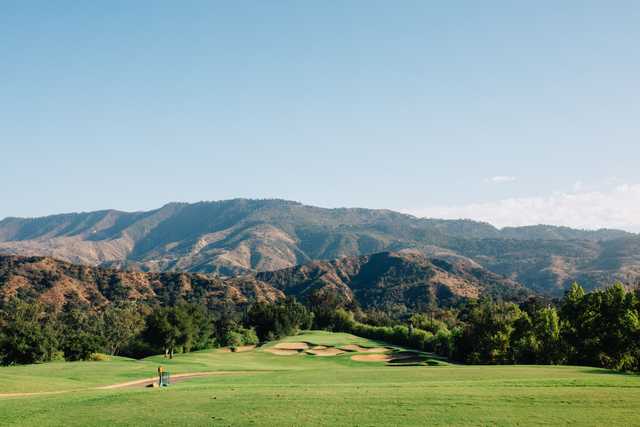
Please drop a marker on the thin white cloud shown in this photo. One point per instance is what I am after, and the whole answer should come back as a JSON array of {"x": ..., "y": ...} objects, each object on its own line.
[
  {"x": 501, "y": 179},
  {"x": 618, "y": 207}
]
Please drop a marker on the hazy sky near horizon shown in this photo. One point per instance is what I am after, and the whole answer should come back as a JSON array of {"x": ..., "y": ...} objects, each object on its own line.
[{"x": 509, "y": 112}]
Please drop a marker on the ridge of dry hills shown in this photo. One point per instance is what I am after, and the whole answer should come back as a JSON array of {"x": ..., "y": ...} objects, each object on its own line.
[
  {"x": 386, "y": 279},
  {"x": 243, "y": 236},
  {"x": 379, "y": 280},
  {"x": 55, "y": 283}
]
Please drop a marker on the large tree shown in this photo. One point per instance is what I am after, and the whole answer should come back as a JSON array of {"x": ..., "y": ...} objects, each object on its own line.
[
  {"x": 121, "y": 323},
  {"x": 81, "y": 332},
  {"x": 27, "y": 333},
  {"x": 178, "y": 328}
]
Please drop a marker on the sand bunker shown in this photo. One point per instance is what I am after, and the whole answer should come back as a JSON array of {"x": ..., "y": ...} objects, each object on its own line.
[
  {"x": 359, "y": 349},
  {"x": 325, "y": 351},
  {"x": 371, "y": 358},
  {"x": 292, "y": 346},
  {"x": 282, "y": 352}
]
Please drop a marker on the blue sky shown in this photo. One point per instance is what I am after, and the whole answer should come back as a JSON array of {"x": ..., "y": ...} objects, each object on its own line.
[{"x": 511, "y": 113}]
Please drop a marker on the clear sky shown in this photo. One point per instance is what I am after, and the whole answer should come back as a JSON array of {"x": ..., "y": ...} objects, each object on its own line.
[{"x": 511, "y": 112}]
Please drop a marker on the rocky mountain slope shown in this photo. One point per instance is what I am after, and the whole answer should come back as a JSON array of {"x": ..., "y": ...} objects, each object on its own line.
[
  {"x": 245, "y": 236},
  {"x": 386, "y": 280},
  {"x": 379, "y": 280},
  {"x": 56, "y": 282}
]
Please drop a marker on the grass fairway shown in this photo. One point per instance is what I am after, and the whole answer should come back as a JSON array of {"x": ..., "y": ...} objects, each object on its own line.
[{"x": 259, "y": 388}]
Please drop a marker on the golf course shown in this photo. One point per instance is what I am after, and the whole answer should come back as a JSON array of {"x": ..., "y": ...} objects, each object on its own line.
[{"x": 315, "y": 378}]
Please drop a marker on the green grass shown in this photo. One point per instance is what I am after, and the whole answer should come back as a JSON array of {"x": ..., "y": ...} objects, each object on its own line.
[{"x": 309, "y": 390}]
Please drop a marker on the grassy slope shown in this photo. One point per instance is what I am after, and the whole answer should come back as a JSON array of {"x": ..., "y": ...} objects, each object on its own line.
[{"x": 295, "y": 390}]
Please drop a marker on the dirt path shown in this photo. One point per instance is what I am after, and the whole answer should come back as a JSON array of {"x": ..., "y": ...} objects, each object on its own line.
[
  {"x": 175, "y": 378},
  {"x": 35, "y": 393}
]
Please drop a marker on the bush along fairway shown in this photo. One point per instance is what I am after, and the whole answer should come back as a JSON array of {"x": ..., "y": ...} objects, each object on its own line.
[{"x": 315, "y": 378}]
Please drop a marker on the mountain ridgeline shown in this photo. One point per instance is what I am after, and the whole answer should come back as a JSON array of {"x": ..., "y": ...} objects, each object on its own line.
[{"x": 242, "y": 237}]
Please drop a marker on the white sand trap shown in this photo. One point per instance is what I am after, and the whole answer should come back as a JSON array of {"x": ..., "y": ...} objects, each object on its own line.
[
  {"x": 292, "y": 346},
  {"x": 325, "y": 352},
  {"x": 371, "y": 358},
  {"x": 359, "y": 349},
  {"x": 281, "y": 352},
  {"x": 319, "y": 347}
]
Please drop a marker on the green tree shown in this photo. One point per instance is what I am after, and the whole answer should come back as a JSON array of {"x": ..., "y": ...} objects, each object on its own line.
[
  {"x": 233, "y": 339},
  {"x": 166, "y": 329},
  {"x": 121, "y": 323},
  {"x": 574, "y": 313},
  {"x": 617, "y": 327},
  {"x": 201, "y": 328},
  {"x": 80, "y": 335},
  {"x": 27, "y": 333},
  {"x": 549, "y": 348},
  {"x": 272, "y": 321},
  {"x": 182, "y": 327},
  {"x": 487, "y": 336}
]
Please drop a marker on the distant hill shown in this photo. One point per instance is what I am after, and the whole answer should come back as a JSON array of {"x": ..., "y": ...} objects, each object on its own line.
[
  {"x": 386, "y": 280},
  {"x": 245, "y": 236},
  {"x": 383, "y": 280},
  {"x": 56, "y": 282}
]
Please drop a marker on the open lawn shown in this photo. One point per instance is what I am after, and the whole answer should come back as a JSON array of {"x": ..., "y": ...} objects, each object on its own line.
[{"x": 260, "y": 388}]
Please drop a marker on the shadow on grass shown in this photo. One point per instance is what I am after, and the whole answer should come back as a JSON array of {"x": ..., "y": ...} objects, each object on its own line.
[{"x": 603, "y": 371}]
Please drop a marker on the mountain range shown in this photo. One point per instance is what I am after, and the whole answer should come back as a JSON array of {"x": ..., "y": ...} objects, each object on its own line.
[{"x": 244, "y": 237}]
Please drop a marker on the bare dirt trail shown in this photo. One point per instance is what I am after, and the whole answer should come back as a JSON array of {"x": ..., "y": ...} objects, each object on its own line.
[
  {"x": 175, "y": 378},
  {"x": 131, "y": 384},
  {"x": 35, "y": 393}
]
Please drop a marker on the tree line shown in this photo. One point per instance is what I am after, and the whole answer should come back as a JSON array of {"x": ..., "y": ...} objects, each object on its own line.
[
  {"x": 31, "y": 332},
  {"x": 600, "y": 328}
]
